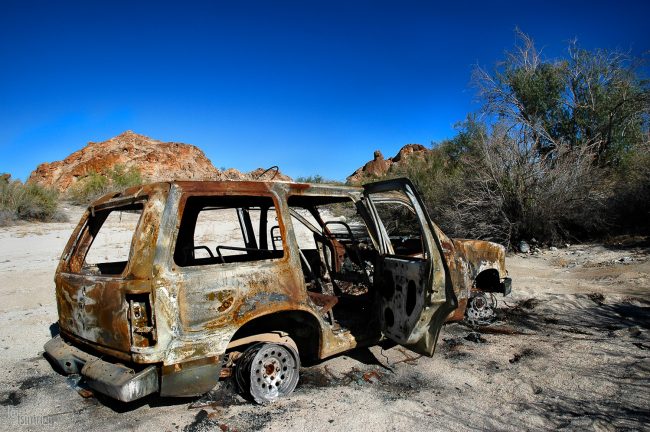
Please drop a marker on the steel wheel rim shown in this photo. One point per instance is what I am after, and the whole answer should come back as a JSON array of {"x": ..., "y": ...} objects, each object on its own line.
[{"x": 274, "y": 372}]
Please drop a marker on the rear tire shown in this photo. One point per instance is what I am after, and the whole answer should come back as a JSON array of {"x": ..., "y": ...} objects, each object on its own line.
[{"x": 268, "y": 371}]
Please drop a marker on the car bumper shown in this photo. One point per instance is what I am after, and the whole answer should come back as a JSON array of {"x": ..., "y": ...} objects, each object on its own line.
[{"x": 117, "y": 381}]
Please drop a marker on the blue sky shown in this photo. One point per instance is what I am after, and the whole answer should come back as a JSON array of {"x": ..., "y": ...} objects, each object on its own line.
[{"x": 312, "y": 86}]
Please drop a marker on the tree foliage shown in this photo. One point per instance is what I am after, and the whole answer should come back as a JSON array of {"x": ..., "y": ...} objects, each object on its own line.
[{"x": 587, "y": 99}]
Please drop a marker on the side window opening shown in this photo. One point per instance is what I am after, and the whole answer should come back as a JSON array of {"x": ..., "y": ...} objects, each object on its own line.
[
  {"x": 336, "y": 252},
  {"x": 338, "y": 258},
  {"x": 107, "y": 240},
  {"x": 304, "y": 228},
  {"x": 402, "y": 226},
  {"x": 220, "y": 230}
]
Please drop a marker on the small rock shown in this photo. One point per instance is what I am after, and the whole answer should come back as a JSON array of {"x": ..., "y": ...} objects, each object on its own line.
[
  {"x": 475, "y": 337},
  {"x": 552, "y": 248},
  {"x": 635, "y": 331},
  {"x": 371, "y": 377},
  {"x": 453, "y": 342},
  {"x": 524, "y": 247},
  {"x": 85, "y": 393},
  {"x": 597, "y": 298},
  {"x": 626, "y": 260}
]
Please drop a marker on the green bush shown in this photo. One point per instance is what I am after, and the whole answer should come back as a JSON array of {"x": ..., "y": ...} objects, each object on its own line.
[
  {"x": 30, "y": 201},
  {"x": 317, "y": 178},
  {"x": 37, "y": 203},
  {"x": 122, "y": 177},
  {"x": 94, "y": 184},
  {"x": 89, "y": 188}
]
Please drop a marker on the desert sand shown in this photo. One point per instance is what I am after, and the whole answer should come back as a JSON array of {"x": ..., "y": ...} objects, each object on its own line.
[{"x": 570, "y": 351}]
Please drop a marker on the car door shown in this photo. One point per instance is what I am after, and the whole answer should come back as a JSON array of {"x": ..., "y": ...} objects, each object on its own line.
[{"x": 411, "y": 276}]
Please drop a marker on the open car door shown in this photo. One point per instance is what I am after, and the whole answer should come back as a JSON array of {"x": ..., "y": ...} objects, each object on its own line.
[{"x": 411, "y": 276}]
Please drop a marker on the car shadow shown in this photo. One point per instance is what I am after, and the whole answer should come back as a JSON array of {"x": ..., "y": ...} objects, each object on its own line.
[
  {"x": 54, "y": 329},
  {"x": 368, "y": 358}
]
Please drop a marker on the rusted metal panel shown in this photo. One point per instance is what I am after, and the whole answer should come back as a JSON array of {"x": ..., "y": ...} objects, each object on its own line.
[
  {"x": 205, "y": 305},
  {"x": 94, "y": 310},
  {"x": 466, "y": 260},
  {"x": 94, "y": 307},
  {"x": 192, "y": 378}
]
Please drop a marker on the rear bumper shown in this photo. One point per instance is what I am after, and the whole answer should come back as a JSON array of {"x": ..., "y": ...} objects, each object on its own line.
[{"x": 117, "y": 381}]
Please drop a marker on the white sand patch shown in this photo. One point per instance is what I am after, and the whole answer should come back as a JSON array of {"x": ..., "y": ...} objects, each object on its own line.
[{"x": 579, "y": 360}]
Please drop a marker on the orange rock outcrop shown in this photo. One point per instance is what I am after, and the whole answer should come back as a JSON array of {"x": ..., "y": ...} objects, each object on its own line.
[{"x": 154, "y": 159}]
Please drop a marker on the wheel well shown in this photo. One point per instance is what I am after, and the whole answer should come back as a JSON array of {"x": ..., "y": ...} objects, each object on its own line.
[
  {"x": 301, "y": 326},
  {"x": 488, "y": 281}
]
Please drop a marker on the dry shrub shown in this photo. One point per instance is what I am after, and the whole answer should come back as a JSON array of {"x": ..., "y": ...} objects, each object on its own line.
[
  {"x": 94, "y": 184},
  {"x": 629, "y": 205},
  {"x": 512, "y": 192},
  {"x": 494, "y": 185},
  {"x": 29, "y": 201},
  {"x": 89, "y": 188}
]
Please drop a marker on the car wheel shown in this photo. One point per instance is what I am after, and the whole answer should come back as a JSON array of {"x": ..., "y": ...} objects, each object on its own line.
[{"x": 268, "y": 371}]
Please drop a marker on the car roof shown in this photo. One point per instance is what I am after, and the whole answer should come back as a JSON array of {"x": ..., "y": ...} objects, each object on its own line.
[
  {"x": 302, "y": 194},
  {"x": 248, "y": 186}
]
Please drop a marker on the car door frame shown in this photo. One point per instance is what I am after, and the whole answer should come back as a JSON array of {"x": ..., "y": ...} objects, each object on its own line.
[{"x": 399, "y": 278}]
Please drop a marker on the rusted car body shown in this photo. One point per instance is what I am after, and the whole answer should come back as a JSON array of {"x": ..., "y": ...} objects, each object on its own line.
[{"x": 316, "y": 269}]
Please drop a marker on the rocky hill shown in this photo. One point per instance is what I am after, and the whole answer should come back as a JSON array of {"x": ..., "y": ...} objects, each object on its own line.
[
  {"x": 379, "y": 167},
  {"x": 154, "y": 159}
]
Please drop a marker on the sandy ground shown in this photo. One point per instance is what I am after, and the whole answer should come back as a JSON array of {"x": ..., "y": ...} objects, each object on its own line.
[{"x": 574, "y": 356}]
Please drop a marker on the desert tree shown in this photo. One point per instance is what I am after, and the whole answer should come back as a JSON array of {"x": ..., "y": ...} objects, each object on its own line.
[{"x": 596, "y": 99}]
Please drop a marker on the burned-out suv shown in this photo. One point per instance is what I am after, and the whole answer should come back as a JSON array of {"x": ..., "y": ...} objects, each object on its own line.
[{"x": 167, "y": 287}]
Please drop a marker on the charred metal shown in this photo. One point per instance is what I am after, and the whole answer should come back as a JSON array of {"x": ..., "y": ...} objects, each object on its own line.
[{"x": 299, "y": 272}]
